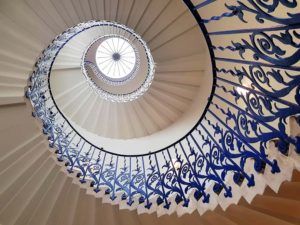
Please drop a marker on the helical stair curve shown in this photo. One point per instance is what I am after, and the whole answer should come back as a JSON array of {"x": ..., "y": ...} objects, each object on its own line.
[{"x": 246, "y": 141}]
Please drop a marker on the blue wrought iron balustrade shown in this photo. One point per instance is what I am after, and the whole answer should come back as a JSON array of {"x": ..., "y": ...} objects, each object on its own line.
[{"x": 235, "y": 128}]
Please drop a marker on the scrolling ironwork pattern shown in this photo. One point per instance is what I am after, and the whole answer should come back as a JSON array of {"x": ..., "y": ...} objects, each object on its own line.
[{"x": 236, "y": 129}]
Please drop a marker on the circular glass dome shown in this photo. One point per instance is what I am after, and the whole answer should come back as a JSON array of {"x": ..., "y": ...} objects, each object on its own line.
[
  {"x": 116, "y": 58},
  {"x": 117, "y": 63}
]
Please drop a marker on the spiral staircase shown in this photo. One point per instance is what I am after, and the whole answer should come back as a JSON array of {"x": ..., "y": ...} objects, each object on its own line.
[{"x": 206, "y": 130}]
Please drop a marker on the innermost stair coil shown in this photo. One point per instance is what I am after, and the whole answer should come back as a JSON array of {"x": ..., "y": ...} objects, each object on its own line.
[{"x": 118, "y": 56}]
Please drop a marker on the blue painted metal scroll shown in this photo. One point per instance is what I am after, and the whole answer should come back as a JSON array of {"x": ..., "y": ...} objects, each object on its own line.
[{"x": 235, "y": 128}]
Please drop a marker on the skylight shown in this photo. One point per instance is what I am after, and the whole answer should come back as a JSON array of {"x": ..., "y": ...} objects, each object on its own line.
[{"x": 116, "y": 58}]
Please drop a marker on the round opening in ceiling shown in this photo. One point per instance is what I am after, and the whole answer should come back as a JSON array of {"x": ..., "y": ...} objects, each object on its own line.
[
  {"x": 117, "y": 63},
  {"x": 116, "y": 58}
]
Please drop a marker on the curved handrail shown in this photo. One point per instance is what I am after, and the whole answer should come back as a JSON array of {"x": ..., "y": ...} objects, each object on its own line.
[{"x": 219, "y": 147}]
